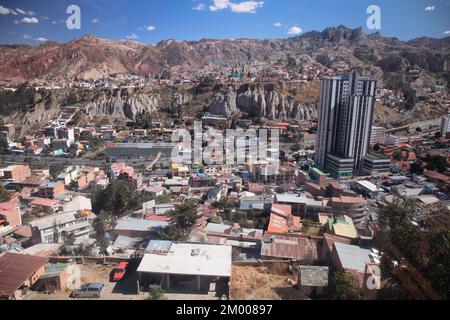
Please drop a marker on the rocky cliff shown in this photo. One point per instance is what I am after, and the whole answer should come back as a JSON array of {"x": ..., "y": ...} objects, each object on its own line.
[{"x": 261, "y": 100}]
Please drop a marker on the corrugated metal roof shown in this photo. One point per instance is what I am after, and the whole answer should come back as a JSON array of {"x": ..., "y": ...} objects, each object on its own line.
[
  {"x": 15, "y": 269},
  {"x": 294, "y": 248}
]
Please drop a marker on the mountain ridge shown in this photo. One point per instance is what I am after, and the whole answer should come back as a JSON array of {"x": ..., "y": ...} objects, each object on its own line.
[{"x": 94, "y": 57}]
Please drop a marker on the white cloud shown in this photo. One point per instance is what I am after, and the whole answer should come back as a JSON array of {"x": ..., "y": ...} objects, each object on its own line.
[
  {"x": 54, "y": 22},
  {"x": 150, "y": 28},
  {"x": 133, "y": 36},
  {"x": 20, "y": 11},
  {"x": 295, "y": 30},
  {"x": 278, "y": 25},
  {"x": 199, "y": 7},
  {"x": 27, "y": 20},
  {"x": 41, "y": 39},
  {"x": 26, "y": 36},
  {"x": 430, "y": 8},
  {"x": 247, "y": 6},
  {"x": 242, "y": 7},
  {"x": 31, "y": 13},
  {"x": 447, "y": 32},
  {"x": 4, "y": 11},
  {"x": 95, "y": 20},
  {"x": 219, "y": 5}
]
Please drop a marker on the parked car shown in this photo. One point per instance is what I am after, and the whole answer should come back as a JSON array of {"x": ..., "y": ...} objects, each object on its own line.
[
  {"x": 119, "y": 271},
  {"x": 89, "y": 290}
]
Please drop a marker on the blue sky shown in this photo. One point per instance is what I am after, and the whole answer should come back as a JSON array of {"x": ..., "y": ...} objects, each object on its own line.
[{"x": 150, "y": 21}]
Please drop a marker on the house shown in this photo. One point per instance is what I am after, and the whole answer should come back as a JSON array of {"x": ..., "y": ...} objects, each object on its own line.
[
  {"x": 78, "y": 203},
  {"x": 354, "y": 260},
  {"x": 282, "y": 221},
  {"x": 262, "y": 202},
  {"x": 287, "y": 247},
  {"x": 137, "y": 228},
  {"x": 45, "y": 205},
  {"x": 354, "y": 207},
  {"x": 214, "y": 194},
  {"x": 56, "y": 278},
  {"x": 10, "y": 216},
  {"x": 54, "y": 228},
  {"x": 17, "y": 272},
  {"x": 312, "y": 280},
  {"x": 191, "y": 267},
  {"x": 342, "y": 227},
  {"x": 17, "y": 173},
  {"x": 51, "y": 189}
]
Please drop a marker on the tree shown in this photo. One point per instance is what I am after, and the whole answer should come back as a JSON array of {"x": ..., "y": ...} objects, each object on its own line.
[
  {"x": 438, "y": 135},
  {"x": 155, "y": 294},
  {"x": 119, "y": 198},
  {"x": 3, "y": 144},
  {"x": 5, "y": 195},
  {"x": 343, "y": 286},
  {"x": 100, "y": 231},
  {"x": 183, "y": 219},
  {"x": 417, "y": 168},
  {"x": 397, "y": 155},
  {"x": 376, "y": 148},
  {"x": 436, "y": 163}
]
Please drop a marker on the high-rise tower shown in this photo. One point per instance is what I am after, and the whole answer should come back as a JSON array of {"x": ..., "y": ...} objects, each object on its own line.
[{"x": 345, "y": 120}]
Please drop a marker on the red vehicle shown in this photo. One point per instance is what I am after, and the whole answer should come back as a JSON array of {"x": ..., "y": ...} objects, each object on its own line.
[{"x": 119, "y": 271}]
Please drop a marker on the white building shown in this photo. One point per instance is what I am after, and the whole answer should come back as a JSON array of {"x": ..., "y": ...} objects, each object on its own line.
[
  {"x": 445, "y": 125},
  {"x": 54, "y": 228}
]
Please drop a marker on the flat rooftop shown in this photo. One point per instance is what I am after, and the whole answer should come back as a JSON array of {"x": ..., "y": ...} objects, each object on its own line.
[{"x": 190, "y": 259}]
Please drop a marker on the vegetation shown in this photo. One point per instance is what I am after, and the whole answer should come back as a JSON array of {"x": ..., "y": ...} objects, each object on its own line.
[
  {"x": 436, "y": 163},
  {"x": 422, "y": 264},
  {"x": 5, "y": 195},
  {"x": 3, "y": 145},
  {"x": 119, "y": 198},
  {"x": 183, "y": 219},
  {"x": 343, "y": 286},
  {"x": 155, "y": 294},
  {"x": 100, "y": 228},
  {"x": 143, "y": 120}
]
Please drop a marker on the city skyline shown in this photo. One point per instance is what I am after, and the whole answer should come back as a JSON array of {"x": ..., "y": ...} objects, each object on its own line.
[{"x": 30, "y": 22}]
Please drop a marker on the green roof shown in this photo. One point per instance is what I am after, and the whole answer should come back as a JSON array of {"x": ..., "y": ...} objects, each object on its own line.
[
  {"x": 330, "y": 223},
  {"x": 54, "y": 270},
  {"x": 320, "y": 173}
]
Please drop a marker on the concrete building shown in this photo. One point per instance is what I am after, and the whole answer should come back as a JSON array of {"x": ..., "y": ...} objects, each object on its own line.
[
  {"x": 377, "y": 135},
  {"x": 181, "y": 266},
  {"x": 54, "y": 228},
  {"x": 17, "y": 173},
  {"x": 345, "y": 121},
  {"x": 354, "y": 207},
  {"x": 51, "y": 189},
  {"x": 375, "y": 164},
  {"x": 445, "y": 125}
]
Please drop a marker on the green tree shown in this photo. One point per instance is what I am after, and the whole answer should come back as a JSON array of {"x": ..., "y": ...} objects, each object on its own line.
[
  {"x": 343, "y": 286},
  {"x": 3, "y": 145},
  {"x": 100, "y": 228},
  {"x": 155, "y": 294},
  {"x": 397, "y": 155},
  {"x": 436, "y": 163},
  {"x": 417, "y": 168},
  {"x": 183, "y": 219},
  {"x": 5, "y": 195}
]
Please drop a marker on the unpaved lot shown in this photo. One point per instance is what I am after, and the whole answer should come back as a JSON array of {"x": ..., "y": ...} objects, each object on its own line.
[
  {"x": 263, "y": 283},
  {"x": 124, "y": 290}
]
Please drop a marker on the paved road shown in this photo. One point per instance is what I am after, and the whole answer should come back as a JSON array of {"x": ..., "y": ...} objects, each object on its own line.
[{"x": 8, "y": 159}]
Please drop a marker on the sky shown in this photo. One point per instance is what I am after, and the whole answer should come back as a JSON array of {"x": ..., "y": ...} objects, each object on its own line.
[{"x": 151, "y": 21}]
